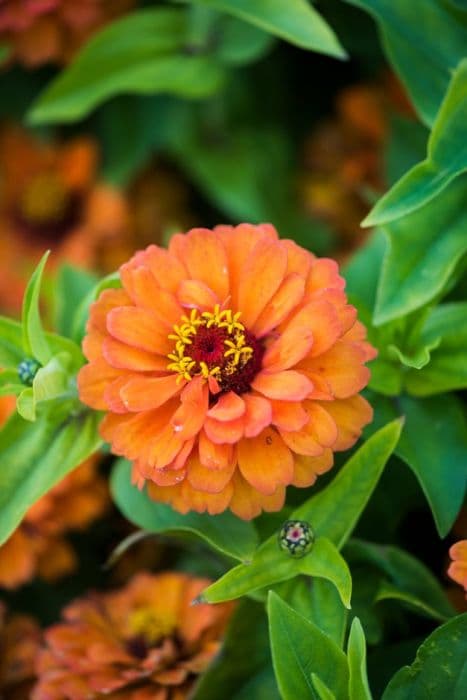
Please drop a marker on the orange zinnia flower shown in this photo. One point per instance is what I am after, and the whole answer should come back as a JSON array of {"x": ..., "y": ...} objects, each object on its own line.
[
  {"x": 458, "y": 567},
  {"x": 143, "y": 642},
  {"x": 229, "y": 366},
  {"x": 19, "y": 644},
  {"x": 38, "y": 545},
  {"x": 42, "y": 31}
]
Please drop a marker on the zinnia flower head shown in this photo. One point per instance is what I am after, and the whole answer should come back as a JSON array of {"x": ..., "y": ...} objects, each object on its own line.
[
  {"x": 458, "y": 567},
  {"x": 143, "y": 642},
  {"x": 229, "y": 367},
  {"x": 38, "y": 547},
  {"x": 41, "y": 31},
  {"x": 19, "y": 643}
]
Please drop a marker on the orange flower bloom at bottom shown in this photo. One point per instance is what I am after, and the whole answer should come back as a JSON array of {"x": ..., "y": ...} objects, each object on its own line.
[
  {"x": 229, "y": 367},
  {"x": 144, "y": 642},
  {"x": 38, "y": 545},
  {"x": 19, "y": 644},
  {"x": 458, "y": 567}
]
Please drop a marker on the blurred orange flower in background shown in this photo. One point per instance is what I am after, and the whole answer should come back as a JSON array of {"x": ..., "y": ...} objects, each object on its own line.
[
  {"x": 229, "y": 367},
  {"x": 344, "y": 158},
  {"x": 458, "y": 567},
  {"x": 51, "y": 196},
  {"x": 143, "y": 642},
  {"x": 43, "y": 31},
  {"x": 19, "y": 643},
  {"x": 38, "y": 546}
]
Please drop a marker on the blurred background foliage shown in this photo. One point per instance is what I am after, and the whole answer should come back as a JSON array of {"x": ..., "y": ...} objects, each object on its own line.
[{"x": 125, "y": 124}]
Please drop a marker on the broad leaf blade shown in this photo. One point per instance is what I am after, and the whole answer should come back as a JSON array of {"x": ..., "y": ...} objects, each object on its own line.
[
  {"x": 293, "y": 20},
  {"x": 231, "y": 536},
  {"x": 356, "y": 654},
  {"x": 299, "y": 649},
  {"x": 34, "y": 340}
]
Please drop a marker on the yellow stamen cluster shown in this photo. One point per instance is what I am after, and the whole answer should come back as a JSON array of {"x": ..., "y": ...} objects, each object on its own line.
[
  {"x": 237, "y": 352},
  {"x": 145, "y": 622}
]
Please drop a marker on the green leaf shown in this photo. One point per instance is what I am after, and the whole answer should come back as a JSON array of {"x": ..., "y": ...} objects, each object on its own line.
[
  {"x": 434, "y": 444},
  {"x": 11, "y": 344},
  {"x": 362, "y": 272},
  {"x": 407, "y": 579},
  {"x": 356, "y": 654},
  {"x": 327, "y": 610},
  {"x": 332, "y": 513},
  {"x": 425, "y": 42},
  {"x": 405, "y": 148},
  {"x": 144, "y": 53},
  {"x": 34, "y": 340},
  {"x": 321, "y": 688},
  {"x": 72, "y": 286},
  {"x": 446, "y": 158},
  {"x": 244, "y": 663},
  {"x": 231, "y": 536},
  {"x": 50, "y": 382},
  {"x": 293, "y": 20},
  {"x": 299, "y": 649},
  {"x": 440, "y": 668},
  {"x": 270, "y": 565},
  {"x": 446, "y": 327},
  {"x": 35, "y": 456},
  {"x": 241, "y": 43},
  {"x": 424, "y": 249}
]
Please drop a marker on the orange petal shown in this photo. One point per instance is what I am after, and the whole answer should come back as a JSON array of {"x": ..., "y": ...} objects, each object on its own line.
[
  {"x": 247, "y": 503},
  {"x": 458, "y": 551},
  {"x": 145, "y": 292},
  {"x": 239, "y": 241},
  {"x": 213, "y": 455},
  {"x": 92, "y": 345},
  {"x": 164, "y": 477},
  {"x": 124, "y": 356},
  {"x": 112, "y": 395},
  {"x": 299, "y": 260},
  {"x": 163, "y": 449},
  {"x": 260, "y": 279},
  {"x": 265, "y": 461},
  {"x": 324, "y": 273},
  {"x": 167, "y": 269},
  {"x": 222, "y": 432},
  {"x": 350, "y": 416},
  {"x": 293, "y": 343},
  {"x": 92, "y": 382},
  {"x": 210, "y": 480},
  {"x": 287, "y": 297},
  {"x": 139, "y": 328},
  {"x": 285, "y": 386},
  {"x": 357, "y": 334},
  {"x": 324, "y": 323},
  {"x": 109, "y": 299},
  {"x": 288, "y": 415},
  {"x": 258, "y": 415},
  {"x": 318, "y": 433},
  {"x": 194, "y": 294},
  {"x": 229, "y": 407},
  {"x": 129, "y": 434},
  {"x": 342, "y": 367},
  {"x": 201, "y": 501},
  {"x": 307, "y": 469},
  {"x": 205, "y": 258},
  {"x": 188, "y": 420},
  {"x": 146, "y": 393}
]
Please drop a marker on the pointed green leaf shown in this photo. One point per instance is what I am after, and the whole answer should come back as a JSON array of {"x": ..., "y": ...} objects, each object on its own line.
[
  {"x": 446, "y": 158},
  {"x": 424, "y": 249},
  {"x": 293, "y": 20},
  {"x": 35, "y": 456},
  {"x": 425, "y": 42},
  {"x": 144, "y": 53},
  {"x": 299, "y": 649},
  {"x": 321, "y": 688},
  {"x": 34, "y": 340},
  {"x": 231, "y": 536},
  {"x": 356, "y": 654},
  {"x": 440, "y": 668},
  {"x": 407, "y": 579},
  {"x": 332, "y": 513},
  {"x": 327, "y": 610}
]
